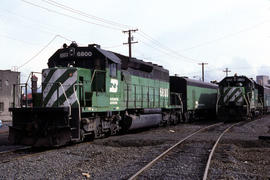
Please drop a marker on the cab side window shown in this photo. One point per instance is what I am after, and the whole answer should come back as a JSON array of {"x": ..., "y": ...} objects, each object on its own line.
[{"x": 112, "y": 67}]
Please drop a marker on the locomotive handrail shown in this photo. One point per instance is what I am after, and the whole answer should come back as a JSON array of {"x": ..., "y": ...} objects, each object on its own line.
[
  {"x": 79, "y": 105},
  {"x": 178, "y": 95},
  {"x": 247, "y": 101},
  {"x": 218, "y": 97},
  {"x": 14, "y": 94},
  {"x": 181, "y": 102},
  {"x": 261, "y": 101},
  {"x": 94, "y": 73},
  {"x": 61, "y": 85},
  {"x": 74, "y": 90}
]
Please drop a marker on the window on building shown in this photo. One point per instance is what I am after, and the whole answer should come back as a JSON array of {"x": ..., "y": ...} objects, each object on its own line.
[
  {"x": 1, "y": 106},
  {"x": 112, "y": 69},
  {"x": 0, "y": 83}
]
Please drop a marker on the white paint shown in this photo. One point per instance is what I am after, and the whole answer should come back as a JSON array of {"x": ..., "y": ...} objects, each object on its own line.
[
  {"x": 164, "y": 92},
  {"x": 84, "y": 53},
  {"x": 114, "y": 87},
  {"x": 114, "y": 101}
]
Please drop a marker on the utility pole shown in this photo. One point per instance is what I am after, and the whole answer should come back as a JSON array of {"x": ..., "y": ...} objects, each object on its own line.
[
  {"x": 130, "y": 40},
  {"x": 226, "y": 71},
  {"x": 203, "y": 69}
]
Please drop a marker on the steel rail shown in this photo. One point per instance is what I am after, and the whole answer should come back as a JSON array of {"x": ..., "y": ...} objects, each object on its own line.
[
  {"x": 168, "y": 150},
  {"x": 14, "y": 150},
  {"x": 213, "y": 150},
  {"x": 215, "y": 145}
]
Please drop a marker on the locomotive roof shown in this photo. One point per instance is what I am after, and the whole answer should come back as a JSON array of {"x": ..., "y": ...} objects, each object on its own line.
[
  {"x": 194, "y": 82},
  {"x": 109, "y": 55},
  {"x": 237, "y": 77},
  {"x": 243, "y": 79},
  {"x": 73, "y": 50},
  {"x": 138, "y": 64}
]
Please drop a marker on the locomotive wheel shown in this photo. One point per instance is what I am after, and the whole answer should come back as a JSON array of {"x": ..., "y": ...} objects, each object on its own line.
[
  {"x": 90, "y": 137},
  {"x": 87, "y": 137}
]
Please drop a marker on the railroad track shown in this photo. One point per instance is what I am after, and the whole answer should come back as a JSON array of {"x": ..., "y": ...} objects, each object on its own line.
[
  {"x": 25, "y": 152},
  {"x": 14, "y": 149},
  {"x": 201, "y": 150}
]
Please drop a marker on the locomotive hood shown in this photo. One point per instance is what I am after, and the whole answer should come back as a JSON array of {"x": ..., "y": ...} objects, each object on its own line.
[{"x": 57, "y": 86}]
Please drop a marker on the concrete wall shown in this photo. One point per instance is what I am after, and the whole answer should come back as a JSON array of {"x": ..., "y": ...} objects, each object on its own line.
[{"x": 7, "y": 79}]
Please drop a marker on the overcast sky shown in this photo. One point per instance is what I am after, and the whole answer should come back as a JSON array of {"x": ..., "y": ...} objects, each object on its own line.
[{"x": 177, "y": 34}]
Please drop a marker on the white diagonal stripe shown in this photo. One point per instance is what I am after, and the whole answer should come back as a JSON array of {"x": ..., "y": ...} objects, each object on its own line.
[
  {"x": 228, "y": 94},
  {"x": 240, "y": 99},
  {"x": 53, "y": 79},
  {"x": 235, "y": 95},
  {"x": 67, "y": 84}
]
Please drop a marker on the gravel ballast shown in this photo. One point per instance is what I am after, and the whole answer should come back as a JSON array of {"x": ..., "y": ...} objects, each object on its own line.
[{"x": 241, "y": 155}]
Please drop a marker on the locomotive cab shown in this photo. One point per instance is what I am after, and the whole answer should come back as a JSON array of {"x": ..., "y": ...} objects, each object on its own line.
[{"x": 103, "y": 78}]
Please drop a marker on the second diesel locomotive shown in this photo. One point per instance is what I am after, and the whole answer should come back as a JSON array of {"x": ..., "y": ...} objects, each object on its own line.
[{"x": 241, "y": 98}]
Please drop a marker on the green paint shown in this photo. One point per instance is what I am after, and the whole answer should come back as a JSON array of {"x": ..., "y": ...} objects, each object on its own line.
[{"x": 200, "y": 98}]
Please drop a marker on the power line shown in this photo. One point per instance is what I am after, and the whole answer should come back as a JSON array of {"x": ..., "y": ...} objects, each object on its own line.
[
  {"x": 144, "y": 35},
  {"x": 163, "y": 51},
  {"x": 72, "y": 17},
  {"x": 160, "y": 50},
  {"x": 113, "y": 46},
  {"x": 51, "y": 2},
  {"x": 67, "y": 8},
  {"x": 158, "y": 44},
  {"x": 226, "y": 36},
  {"x": 15, "y": 39},
  {"x": 41, "y": 50},
  {"x": 44, "y": 26}
]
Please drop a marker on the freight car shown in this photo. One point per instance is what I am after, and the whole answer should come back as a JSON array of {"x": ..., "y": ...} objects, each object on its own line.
[
  {"x": 199, "y": 98},
  {"x": 239, "y": 98},
  {"x": 88, "y": 92}
]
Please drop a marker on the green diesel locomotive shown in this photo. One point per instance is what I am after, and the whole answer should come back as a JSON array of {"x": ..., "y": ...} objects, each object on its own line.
[
  {"x": 89, "y": 92},
  {"x": 241, "y": 98}
]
